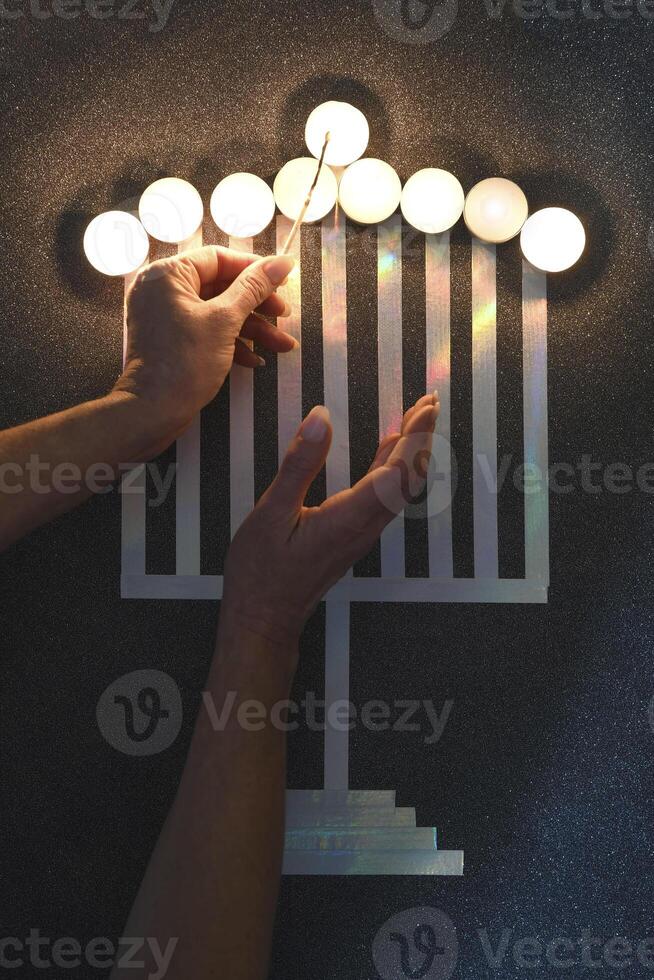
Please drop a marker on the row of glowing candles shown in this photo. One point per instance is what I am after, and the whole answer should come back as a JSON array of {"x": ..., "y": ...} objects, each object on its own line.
[{"x": 367, "y": 190}]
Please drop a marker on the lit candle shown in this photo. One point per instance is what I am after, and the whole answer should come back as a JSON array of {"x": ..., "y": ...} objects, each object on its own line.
[
  {"x": 171, "y": 210},
  {"x": 553, "y": 239},
  {"x": 432, "y": 200},
  {"x": 242, "y": 205},
  {"x": 116, "y": 244},
  {"x": 369, "y": 191},
  {"x": 495, "y": 210},
  {"x": 292, "y": 184},
  {"x": 348, "y": 129}
]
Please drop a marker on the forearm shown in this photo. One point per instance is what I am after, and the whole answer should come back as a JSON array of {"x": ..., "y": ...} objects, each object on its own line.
[
  {"x": 49, "y": 466},
  {"x": 213, "y": 878}
]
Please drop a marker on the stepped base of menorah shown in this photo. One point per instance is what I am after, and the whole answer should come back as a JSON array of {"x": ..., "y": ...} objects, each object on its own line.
[{"x": 360, "y": 832}]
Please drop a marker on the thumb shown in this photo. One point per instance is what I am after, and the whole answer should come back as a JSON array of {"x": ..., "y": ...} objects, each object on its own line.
[
  {"x": 255, "y": 284},
  {"x": 304, "y": 459}
]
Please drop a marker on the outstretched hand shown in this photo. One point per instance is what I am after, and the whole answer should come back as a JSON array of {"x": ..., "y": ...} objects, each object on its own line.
[
  {"x": 186, "y": 316},
  {"x": 286, "y": 556}
]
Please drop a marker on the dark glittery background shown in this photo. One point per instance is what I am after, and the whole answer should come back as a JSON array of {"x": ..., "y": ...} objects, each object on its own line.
[{"x": 544, "y": 773}]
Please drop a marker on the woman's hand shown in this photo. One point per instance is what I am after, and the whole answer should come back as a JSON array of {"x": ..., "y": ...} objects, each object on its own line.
[
  {"x": 184, "y": 317},
  {"x": 286, "y": 556}
]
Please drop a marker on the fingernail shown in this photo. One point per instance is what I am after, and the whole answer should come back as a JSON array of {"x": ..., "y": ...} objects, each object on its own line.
[
  {"x": 436, "y": 398},
  {"x": 296, "y": 344},
  {"x": 314, "y": 427},
  {"x": 286, "y": 311},
  {"x": 260, "y": 361},
  {"x": 278, "y": 267}
]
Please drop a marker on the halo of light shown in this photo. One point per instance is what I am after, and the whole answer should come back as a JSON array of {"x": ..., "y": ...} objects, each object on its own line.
[
  {"x": 116, "y": 243},
  {"x": 553, "y": 239},
  {"x": 432, "y": 200},
  {"x": 348, "y": 129},
  {"x": 495, "y": 210},
  {"x": 292, "y": 184},
  {"x": 171, "y": 210},
  {"x": 369, "y": 191},
  {"x": 242, "y": 205}
]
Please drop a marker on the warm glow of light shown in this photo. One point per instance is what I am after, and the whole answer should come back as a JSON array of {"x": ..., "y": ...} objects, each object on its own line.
[
  {"x": 171, "y": 210},
  {"x": 115, "y": 243},
  {"x": 292, "y": 185},
  {"x": 432, "y": 200},
  {"x": 484, "y": 318},
  {"x": 348, "y": 133},
  {"x": 553, "y": 239},
  {"x": 242, "y": 205},
  {"x": 369, "y": 191},
  {"x": 495, "y": 210}
]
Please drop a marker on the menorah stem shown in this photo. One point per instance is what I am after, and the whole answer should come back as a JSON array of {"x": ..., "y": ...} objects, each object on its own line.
[
  {"x": 389, "y": 362},
  {"x": 484, "y": 409},
  {"x": 187, "y": 503},
  {"x": 241, "y": 431},
  {"x": 438, "y": 355},
  {"x": 337, "y": 689},
  {"x": 289, "y": 367},
  {"x": 534, "y": 357},
  {"x": 133, "y": 486},
  {"x": 337, "y": 640}
]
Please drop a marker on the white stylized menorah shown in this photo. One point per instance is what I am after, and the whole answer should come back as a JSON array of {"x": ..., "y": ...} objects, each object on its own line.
[{"x": 338, "y": 830}]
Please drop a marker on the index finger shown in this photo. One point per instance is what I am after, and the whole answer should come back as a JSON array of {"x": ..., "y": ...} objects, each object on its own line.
[
  {"x": 217, "y": 265},
  {"x": 385, "y": 491}
]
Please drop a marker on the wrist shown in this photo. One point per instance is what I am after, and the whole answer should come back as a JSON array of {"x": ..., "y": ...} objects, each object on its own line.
[
  {"x": 149, "y": 427},
  {"x": 240, "y": 628},
  {"x": 155, "y": 401}
]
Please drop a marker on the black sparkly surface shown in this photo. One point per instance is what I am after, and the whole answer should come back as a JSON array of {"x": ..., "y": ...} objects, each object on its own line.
[{"x": 543, "y": 774}]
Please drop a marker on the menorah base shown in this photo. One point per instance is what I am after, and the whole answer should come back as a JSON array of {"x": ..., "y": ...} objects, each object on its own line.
[{"x": 360, "y": 832}]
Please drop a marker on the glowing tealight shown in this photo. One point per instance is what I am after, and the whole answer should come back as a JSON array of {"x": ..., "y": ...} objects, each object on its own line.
[
  {"x": 495, "y": 210},
  {"x": 553, "y": 239},
  {"x": 369, "y": 191},
  {"x": 242, "y": 205},
  {"x": 432, "y": 200},
  {"x": 171, "y": 210},
  {"x": 115, "y": 243},
  {"x": 348, "y": 133},
  {"x": 292, "y": 185}
]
